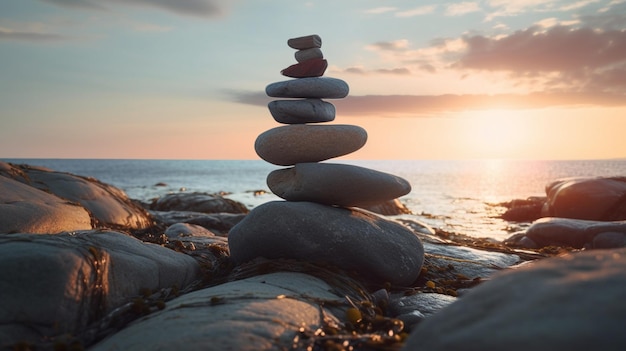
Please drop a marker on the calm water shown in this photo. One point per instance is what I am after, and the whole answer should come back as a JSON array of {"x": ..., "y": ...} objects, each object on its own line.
[{"x": 452, "y": 195}]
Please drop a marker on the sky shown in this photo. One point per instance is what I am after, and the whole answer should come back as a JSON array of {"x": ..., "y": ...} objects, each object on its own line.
[{"x": 185, "y": 79}]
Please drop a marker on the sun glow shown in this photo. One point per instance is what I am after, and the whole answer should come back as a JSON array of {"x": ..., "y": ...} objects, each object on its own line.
[{"x": 496, "y": 133}]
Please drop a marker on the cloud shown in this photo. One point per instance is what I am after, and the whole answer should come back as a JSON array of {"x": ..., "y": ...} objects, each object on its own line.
[
  {"x": 196, "y": 8},
  {"x": 437, "y": 105},
  {"x": 401, "y": 71},
  {"x": 34, "y": 37},
  {"x": 380, "y": 10},
  {"x": 462, "y": 8},
  {"x": 394, "y": 45},
  {"x": 557, "y": 49},
  {"x": 418, "y": 11}
]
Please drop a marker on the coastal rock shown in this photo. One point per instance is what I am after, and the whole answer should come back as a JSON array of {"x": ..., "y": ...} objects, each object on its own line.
[
  {"x": 308, "y": 54},
  {"x": 24, "y": 209},
  {"x": 575, "y": 233},
  {"x": 301, "y": 111},
  {"x": 297, "y": 143},
  {"x": 107, "y": 205},
  {"x": 377, "y": 249},
  {"x": 336, "y": 184},
  {"x": 197, "y": 202},
  {"x": 573, "y": 302},
  {"x": 601, "y": 199},
  {"x": 56, "y": 284},
  {"x": 306, "y": 69},
  {"x": 305, "y": 42},
  {"x": 218, "y": 223},
  {"x": 264, "y": 312},
  {"x": 314, "y": 87}
]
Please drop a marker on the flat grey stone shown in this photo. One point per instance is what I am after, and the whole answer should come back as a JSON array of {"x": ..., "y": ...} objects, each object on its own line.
[
  {"x": 302, "y": 111},
  {"x": 305, "y": 42},
  {"x": 297, "y": 143},
  {"x": 308, "y": 54},
  {"x": 313, "y": 87},
  {"x": 336, "y": 184},
  {"x": 378, "y": 249},
  {"x": 264, "y": 312},
  {"x": 575, "y": 302}
]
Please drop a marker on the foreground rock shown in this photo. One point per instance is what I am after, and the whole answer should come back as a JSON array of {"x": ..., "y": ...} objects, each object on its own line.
[
  {"x": 378, "y": 249},
  {"x": 574, "y": 233},
  {"x": 568, "y": 303},
  {"x": 264, "y": 312},
  {"x": 108, "y": 206},
  {"x": 52, "y": 285},
  {"x": 336, "y": 184}
]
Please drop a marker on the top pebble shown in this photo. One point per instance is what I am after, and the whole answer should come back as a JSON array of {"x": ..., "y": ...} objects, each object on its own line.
[{"x": 307, "y": 42}]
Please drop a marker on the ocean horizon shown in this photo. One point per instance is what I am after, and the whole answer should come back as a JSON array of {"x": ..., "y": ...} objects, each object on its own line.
[{"x": 458, "y": 196}]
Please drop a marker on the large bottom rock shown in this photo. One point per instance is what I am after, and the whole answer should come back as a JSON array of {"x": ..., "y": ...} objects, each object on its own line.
[
  {"x": 378, "y": 249},
  {"x": 574, "y": 302},
  {"x": 260, "y": 313},
  {"x": 57, "y": 284}
]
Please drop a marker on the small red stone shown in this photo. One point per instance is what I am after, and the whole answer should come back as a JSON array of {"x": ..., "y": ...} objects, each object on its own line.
[{"x": 309, "y": 68}]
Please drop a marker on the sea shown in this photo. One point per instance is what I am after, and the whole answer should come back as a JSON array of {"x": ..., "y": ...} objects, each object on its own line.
[{"x": 460, "y": 196}]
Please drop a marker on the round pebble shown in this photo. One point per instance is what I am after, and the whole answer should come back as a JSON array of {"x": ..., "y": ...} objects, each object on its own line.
[{"x": 302, "y": 111}]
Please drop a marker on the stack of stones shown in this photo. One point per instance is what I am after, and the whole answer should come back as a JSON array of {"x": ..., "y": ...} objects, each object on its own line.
[{"x": 319, "y": 221}]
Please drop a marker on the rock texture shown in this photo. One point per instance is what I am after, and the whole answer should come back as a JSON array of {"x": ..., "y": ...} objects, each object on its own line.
[
  {"x": 57, "y": 284},
  {"x": 567, "y": 303},
  {"x": 379, "y": 250}
]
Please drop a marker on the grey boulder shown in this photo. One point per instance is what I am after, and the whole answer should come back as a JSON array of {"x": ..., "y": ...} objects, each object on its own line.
[{"x": 379, "y": 250}]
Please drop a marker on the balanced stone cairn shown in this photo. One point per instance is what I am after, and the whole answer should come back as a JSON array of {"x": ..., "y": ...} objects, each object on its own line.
[{"x": 318, "y": 222}]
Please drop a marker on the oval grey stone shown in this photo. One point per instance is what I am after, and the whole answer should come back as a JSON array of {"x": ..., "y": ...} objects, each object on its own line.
[
  {"x": 302, "y": 111},
  {"x": 314, "y": 87},
  {"x": 296, "y": 143},
  {"x": 379, "y": 250},
  {"x": 336, "y": 184}
]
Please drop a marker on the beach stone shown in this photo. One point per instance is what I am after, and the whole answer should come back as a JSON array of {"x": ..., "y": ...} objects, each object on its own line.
[
  {"x": 296, "y": 143},
  {"x": 107, "y": 205},
  {"x": 412, "y": 309},
  {"x": 313, "y": 87},
  {"x": 567, "y": 232},
  {"x": 197, "y": 202},
  {"x": 601, "y": 199},
  {"x": 306, "y": 69},
  {"x": 217, "y": 223},
  {"x": 308, "y": 54},
  {"x": 24, "y": 209},
  {"x": 56, "y": 284},
  {"x": 301, "y": 111},
  {"x": 305, "y": 42},
  {"x": 379, "y": 250},
  {"x": 574, "y": 302},
  {"x": 336, "y": 184}
]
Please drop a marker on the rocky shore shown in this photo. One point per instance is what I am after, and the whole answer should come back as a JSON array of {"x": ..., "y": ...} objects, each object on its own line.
[{"x": 85, "y": 267}]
